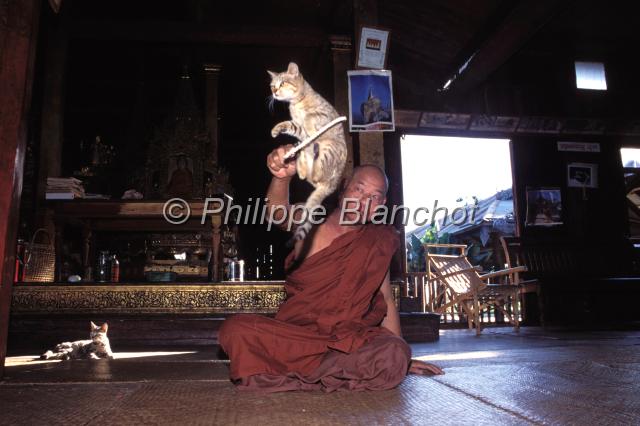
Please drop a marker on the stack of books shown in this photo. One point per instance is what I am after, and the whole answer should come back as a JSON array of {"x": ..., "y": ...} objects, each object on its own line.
[{"x": 64, "y": 189}]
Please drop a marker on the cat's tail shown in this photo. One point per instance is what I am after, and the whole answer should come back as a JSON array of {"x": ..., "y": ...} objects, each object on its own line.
[{"x": 312, "y": 204}]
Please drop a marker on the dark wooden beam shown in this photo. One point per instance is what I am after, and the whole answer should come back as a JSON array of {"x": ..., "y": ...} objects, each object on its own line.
[
  {"x": 524, "y": 20},
  {"x": 193, "y": 32},
  {"x": 18, "y": 37},
  {"x": 53, "y": 101}
]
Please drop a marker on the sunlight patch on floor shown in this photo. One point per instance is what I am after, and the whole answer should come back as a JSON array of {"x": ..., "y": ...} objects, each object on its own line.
[
  {"x": 126, "y": 355},
  {"x": 459, "y": 355},
  {"x": 14, "y": 361}
]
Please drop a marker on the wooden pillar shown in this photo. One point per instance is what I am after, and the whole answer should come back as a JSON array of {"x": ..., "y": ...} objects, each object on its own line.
[
  {"x": 342, "y": 57},
  {"x": 370, "y": 144},
  {"x": 51, "y": 125},
  {"x": 18, "y": 38},
  {"x": 52, "y": 131},
  {"x": 212, "y": 74}
]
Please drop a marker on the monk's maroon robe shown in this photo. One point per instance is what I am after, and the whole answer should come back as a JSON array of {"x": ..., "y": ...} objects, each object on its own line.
[{"x": 328, "y": 329}]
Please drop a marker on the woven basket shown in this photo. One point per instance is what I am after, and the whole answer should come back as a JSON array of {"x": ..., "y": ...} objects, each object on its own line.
[{"x": 40, "y": 258}]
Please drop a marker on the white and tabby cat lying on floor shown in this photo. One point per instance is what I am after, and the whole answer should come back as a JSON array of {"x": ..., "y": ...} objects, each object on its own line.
[
  {"x": 95, "y": 348},
  {"x": 323, "y": 161}
]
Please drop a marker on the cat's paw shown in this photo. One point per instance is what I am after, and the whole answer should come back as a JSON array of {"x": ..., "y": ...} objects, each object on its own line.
[
  {"x": 283, "y": 127},
  {"x": 46, "y": 355}
]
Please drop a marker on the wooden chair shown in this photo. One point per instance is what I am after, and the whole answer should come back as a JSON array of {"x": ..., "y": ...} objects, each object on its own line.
[
  {"x": 459, "y": 283},
  {"x": 514, "y": 257}
]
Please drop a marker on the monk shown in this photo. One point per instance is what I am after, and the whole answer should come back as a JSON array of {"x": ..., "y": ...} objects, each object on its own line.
[{"x": 339, "y": 328}]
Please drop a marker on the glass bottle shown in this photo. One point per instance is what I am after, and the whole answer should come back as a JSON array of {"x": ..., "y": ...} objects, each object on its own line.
[
  {"x": 103, "y": 268},
  {"x": 258, "y": 270},
  {"x": 115, "y": 269},
  {"x": 20, "y": 248}
]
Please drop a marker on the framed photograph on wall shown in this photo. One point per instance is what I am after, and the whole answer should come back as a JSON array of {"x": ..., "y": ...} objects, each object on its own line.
[
  {"x": 582, "y": 175},
  {"x": 544, "y": 207},
  {"x": 373, "y": 44},
  {"x": 370, "y": 101}
]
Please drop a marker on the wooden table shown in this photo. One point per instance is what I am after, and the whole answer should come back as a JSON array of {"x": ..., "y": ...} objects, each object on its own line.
[{"x": 135, "y": 215}]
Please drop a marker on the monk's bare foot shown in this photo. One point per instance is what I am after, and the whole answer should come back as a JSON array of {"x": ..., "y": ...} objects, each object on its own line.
[{"x": 424, "y": 368}]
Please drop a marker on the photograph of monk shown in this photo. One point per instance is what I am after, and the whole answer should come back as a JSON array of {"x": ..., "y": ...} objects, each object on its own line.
[
  {"x": 370, "y": 101},
  {"x": 544, "y": 207}
]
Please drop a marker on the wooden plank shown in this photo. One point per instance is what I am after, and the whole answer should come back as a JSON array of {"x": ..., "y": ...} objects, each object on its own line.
[
  {"x": 191, "y": 32},
  {"x": 122, "y": 209},
  {"x": 18, "y": 39},
  {"x": 341, "y": 54},
  {"x": 526, "y": 18}
]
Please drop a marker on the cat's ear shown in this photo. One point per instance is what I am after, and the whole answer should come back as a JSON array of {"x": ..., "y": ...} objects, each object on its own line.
[
  {"x": 93, "y": 325},
  {"x": 104, "y": 327},
  {"x": 272, "y": 74},
  {"x": 293, "y": 69}
]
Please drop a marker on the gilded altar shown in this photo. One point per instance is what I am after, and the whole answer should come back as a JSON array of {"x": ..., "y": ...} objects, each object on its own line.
[
  {"x": 38, "y": 299},
  {"x": 144, "y": 299}
]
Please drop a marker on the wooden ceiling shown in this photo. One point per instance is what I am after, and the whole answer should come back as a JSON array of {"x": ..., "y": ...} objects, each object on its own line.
[{"x": 430, "y": 40}]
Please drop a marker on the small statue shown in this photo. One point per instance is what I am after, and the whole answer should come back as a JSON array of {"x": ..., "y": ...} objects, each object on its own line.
[
  {"x": 229, "y": 247},
  {"x": 208, "y": 187},
  {"x": 102, "y": 153},
  {"x": 181, "y": 180}
]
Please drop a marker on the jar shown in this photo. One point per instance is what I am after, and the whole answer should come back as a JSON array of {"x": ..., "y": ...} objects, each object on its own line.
[{"x": 103, "y": 267}]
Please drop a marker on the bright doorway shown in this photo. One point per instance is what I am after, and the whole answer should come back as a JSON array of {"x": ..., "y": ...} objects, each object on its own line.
[{"x": 457, "y": 190}]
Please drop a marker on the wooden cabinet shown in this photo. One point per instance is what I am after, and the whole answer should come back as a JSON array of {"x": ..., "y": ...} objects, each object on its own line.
[{"x": 139, "y": 216}]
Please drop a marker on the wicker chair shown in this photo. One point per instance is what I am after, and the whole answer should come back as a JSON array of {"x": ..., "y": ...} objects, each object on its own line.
[
  {"x": 455, "y": 281},
  {"x": 513, "y": 257}
]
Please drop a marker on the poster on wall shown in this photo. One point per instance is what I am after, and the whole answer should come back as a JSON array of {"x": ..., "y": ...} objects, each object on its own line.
[
  {"x": 582, "y": 175},
  {"x": 544, "y": 207},
  {"x": 372, "y": 48},
  {"x": 370, "y": 101}
]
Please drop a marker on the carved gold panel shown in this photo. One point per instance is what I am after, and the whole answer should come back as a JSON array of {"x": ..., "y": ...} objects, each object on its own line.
[{"x": 147, "y": 299}]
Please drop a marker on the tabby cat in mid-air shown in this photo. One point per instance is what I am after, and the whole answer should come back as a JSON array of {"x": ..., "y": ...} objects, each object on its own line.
[
  {"x": 95, "y": 348},
  {"x": 322, "y": 162}
]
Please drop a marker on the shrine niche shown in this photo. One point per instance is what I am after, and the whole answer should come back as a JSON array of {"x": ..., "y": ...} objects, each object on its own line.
[{"x": 181, "y": 155}]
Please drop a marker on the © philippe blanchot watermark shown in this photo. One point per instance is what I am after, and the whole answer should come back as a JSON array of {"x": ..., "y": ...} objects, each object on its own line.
[{"x": 352, "y": 211}]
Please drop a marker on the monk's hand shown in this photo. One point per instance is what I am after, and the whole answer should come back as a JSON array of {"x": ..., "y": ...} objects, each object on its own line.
[
  {"x": 424, "y": 368},
  {"x": 278, "y": 166}
]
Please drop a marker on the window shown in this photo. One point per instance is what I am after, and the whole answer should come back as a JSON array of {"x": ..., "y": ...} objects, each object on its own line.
[
  {"x": 630, "y": 157},
  {"x": 590, "y": 75}
]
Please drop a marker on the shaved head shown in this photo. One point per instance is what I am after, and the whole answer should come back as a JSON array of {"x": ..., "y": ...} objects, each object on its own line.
[{"x": 372, "y": 172}]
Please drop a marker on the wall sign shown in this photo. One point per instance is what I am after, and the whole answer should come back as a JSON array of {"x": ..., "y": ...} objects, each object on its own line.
[{"x": 578, "y": 146}]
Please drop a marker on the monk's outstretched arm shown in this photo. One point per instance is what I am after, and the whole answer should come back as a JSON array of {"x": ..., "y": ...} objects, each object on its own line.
[
  {"x": 278, "y": 191},
  {"x": 392, "y": 321},
  {"x": 278, "y": 197}
]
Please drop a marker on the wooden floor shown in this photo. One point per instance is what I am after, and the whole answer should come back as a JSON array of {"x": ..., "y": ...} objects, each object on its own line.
[{"x": 535, "y": 377}]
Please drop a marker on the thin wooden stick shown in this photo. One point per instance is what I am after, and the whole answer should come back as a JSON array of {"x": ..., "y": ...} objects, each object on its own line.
[{"x": 293, "y": 151}]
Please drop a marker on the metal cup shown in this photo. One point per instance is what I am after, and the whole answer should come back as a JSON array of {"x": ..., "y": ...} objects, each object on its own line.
[{"x": 236, "y": 270}]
